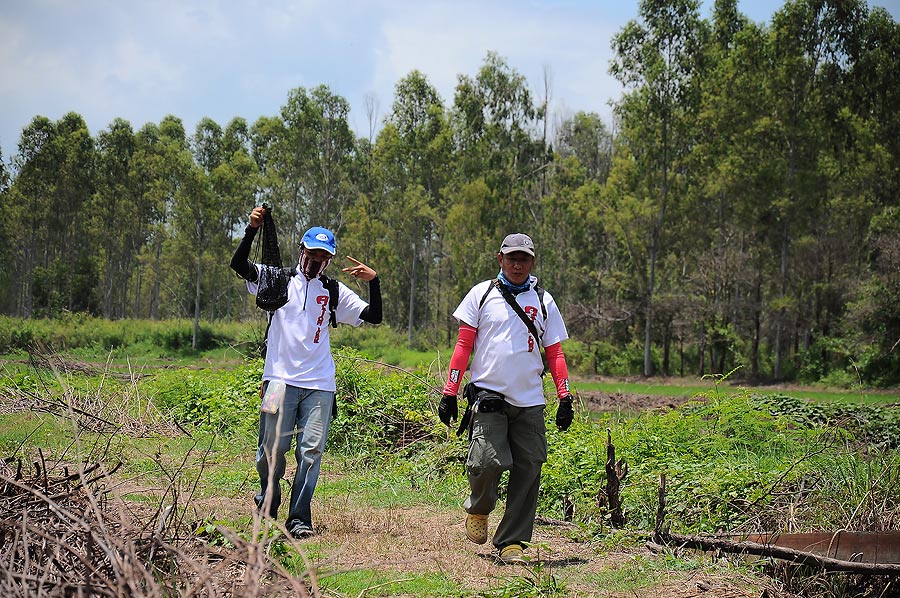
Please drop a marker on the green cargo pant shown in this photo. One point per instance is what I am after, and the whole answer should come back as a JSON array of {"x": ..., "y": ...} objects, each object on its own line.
[{"x": 511, "y": 439}]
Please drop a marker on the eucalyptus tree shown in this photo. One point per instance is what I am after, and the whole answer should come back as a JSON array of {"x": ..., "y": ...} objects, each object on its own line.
[
  {"x": 810, "y": 45},
  {"x": 307, "y": 155},
  {"x": 7, "y": 252},
  {"x": 162, "y": 163},
  {"x": 55, "y": 165},
  {"x": 411, "y": 157},
  {"x": 732, "y": 161},
  {"x": 148, "y": 173},
  {"x": 586, "y": 137},
  {"x": 657, "y": 59},
  {"x": 872, "y": 81},
  {"x": 572, "y": 262},
  {"x": 115, "y": 214},
  {"x": 498, "y": 157},
  {"x": 234, "y": 184},
  {"x": 29, "y": 206},
  {"x": 872, "y": 328},
  {"x": 213, "y": 185}
]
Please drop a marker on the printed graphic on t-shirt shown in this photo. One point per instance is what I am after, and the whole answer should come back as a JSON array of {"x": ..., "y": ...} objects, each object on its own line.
[
  {"x": 531, "y": 311},
  {"x": 323, "y": 301}
]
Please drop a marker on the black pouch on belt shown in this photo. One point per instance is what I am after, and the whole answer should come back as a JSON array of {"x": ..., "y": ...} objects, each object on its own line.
[
  {"x": 489, "y": 401},
  {"x": 469, "y": 391}
]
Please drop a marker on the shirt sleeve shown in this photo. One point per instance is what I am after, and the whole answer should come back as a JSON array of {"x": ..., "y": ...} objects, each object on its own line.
[
  {"x": 350, "y": 306},
  {"x": 554, "y": 328},
  {"x": 469, "y": 308}
]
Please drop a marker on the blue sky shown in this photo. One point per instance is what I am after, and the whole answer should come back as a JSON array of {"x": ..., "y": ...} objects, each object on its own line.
[{"x": 141, "y": 60}]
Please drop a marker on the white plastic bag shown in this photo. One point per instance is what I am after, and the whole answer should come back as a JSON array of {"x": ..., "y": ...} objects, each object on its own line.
[{"x": 273, "y": 396}]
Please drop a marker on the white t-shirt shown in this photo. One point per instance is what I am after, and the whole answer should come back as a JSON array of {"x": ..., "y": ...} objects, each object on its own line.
[
  {"x": 506, "y": 358},
  {"x": 299, "y": 343}
]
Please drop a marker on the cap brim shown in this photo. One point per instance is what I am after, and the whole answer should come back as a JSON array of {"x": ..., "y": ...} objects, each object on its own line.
[
  {"x": 319, "y": 246},
  {"x": 506, "y": 250}
]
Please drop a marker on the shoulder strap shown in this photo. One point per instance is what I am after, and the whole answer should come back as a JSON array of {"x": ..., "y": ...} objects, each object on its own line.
[
  {"x": 508, "y": 296},
  {"x": 538, "y": 289},
  {"x": 484, "y": 297},
  {"x": 519, "y": 311},
  {"x": 332, "y": 285}
]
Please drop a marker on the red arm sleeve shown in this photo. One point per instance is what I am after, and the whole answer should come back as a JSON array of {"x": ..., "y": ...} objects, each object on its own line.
[
  {"x": 556, "y": 362},
  {"x": 464, "y": 345}
]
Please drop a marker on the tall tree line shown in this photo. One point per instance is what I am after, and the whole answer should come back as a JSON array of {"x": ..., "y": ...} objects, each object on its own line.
[{"x": 743, "y": 211}]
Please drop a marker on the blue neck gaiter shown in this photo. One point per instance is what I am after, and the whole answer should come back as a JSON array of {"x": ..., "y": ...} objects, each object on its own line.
[{"x": 515, "y": 289}]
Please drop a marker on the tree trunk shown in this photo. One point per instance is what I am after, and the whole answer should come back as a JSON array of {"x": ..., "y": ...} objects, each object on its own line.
[
  {"x": 197, "y": 287},
  {"x": 412, "y": 298},
  {"x": 757, "y": 311},
  {"x": 779, "y": 321}
]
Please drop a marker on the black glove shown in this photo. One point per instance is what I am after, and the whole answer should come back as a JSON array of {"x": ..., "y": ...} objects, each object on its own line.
[
  {"x": 447, "y": 410},
  {"x": 564, "y": 413}
]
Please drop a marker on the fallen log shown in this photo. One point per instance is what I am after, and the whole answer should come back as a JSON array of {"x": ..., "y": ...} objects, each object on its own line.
[{"x": 779, "y": 552}]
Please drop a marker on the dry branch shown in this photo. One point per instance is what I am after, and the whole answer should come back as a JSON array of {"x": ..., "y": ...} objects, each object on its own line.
[{"x": 779, "y": 552}]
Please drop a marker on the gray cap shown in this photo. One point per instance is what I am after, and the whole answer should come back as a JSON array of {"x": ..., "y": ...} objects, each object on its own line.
[{"x": 517, "y": 242}]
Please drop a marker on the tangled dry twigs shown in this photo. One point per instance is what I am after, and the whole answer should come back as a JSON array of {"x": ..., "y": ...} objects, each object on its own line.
[{"x": 65, "y": 534}]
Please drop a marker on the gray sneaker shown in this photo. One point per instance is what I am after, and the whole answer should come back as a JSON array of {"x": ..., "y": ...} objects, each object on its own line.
[{"x": 300, "y": 532}]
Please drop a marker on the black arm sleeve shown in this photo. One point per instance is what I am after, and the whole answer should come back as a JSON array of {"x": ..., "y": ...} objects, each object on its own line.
[
  {"x": 372, "y": 312},
  {"x": 240, "y": 261}
]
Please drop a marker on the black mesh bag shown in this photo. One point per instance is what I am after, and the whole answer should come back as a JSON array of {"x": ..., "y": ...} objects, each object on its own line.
[{"x": 272, "y": 291}]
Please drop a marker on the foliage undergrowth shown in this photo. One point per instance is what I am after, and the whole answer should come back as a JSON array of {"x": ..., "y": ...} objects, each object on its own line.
[
  {"x": 81, "y": 331},
  {"x": 734, "y": 463},
  {"x": 737, "y": 462}
]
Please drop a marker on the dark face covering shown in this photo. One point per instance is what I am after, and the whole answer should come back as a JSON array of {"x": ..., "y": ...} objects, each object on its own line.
[{"x": 310, "y": 266}]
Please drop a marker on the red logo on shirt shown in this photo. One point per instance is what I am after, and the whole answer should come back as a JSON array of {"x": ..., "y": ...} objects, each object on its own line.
[
  {"x": 530, "y": 310},
  {"x": 323, "y": 301}
]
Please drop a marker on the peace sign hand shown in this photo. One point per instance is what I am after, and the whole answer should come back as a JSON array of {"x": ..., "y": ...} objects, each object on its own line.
[{"x": 359, "y": 270}]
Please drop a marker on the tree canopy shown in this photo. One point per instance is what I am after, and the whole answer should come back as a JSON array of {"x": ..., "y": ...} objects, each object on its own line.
[{"x": 740, "y": 210}]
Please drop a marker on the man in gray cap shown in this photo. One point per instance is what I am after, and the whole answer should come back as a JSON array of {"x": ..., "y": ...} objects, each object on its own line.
[{"x": 503, "y": 323}]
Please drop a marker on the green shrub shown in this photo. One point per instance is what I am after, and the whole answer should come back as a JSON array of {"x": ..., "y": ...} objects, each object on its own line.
[
  {"x": 610, "y": 360},
  {"x": 719, "y": 456},
  {"x": 225, "y": 401},
  {"x": 382, "y": 410},
  {"x": 71, "y": 331},
  {"x": 579, "y": 357}
]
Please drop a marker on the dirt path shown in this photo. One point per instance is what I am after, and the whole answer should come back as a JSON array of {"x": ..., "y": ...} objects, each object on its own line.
[{"x": 420, "y": 540}]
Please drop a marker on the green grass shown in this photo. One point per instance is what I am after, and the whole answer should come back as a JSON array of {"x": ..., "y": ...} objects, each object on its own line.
[
  {"x": 728, "y": 460},
  {"x": 370, "y": 582},
  {"x": 690, "y": 390}
]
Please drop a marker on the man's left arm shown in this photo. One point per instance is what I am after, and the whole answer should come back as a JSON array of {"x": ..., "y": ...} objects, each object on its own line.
[
  {"x": 556, "y": 363},
  {"x": 372, "y": 313}
]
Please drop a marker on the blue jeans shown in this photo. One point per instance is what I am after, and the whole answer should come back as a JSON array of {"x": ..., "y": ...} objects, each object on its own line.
[{"x": 306, "y": 413}]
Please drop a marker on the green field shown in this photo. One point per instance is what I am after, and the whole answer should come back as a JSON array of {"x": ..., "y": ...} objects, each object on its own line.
[{"x": 682, "y": 388}]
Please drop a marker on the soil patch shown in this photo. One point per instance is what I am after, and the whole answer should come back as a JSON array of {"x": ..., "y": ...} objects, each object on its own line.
[{"x": 619, "y": 401}]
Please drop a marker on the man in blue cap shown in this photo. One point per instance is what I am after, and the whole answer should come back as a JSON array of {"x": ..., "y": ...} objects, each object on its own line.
[{"x": 298, "y": 393}]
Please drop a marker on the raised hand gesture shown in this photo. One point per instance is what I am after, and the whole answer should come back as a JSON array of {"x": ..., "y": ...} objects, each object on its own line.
[{"x": 359, "y": 270}]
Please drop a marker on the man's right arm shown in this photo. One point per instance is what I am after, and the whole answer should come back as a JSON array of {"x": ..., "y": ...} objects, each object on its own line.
[{"x": 240, "y": 261}]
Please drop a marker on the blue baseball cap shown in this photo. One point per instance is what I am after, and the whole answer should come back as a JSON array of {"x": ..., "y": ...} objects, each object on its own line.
[{"x": 319, "y": 238}]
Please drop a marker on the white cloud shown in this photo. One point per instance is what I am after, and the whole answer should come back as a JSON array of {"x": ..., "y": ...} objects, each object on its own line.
[
  {"x": 444, "y": 41},
  {"x": 141, "y": 60}
]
